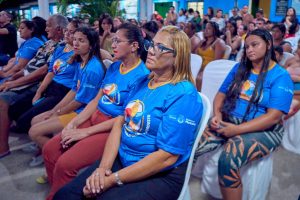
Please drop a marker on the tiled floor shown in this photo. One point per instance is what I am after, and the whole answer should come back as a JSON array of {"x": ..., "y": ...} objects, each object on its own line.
[{"x": 17, "y": 180}]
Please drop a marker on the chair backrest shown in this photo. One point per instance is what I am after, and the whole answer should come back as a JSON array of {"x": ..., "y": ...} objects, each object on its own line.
[
  {"x": 294, "y": 42},
  {"x": 200, "y": 129},
  {"x": 240, "y": 53},
  {"x": 196, "y": 62},
  {"x": 107, "y": 63},
  {"x": 213, "y": 76},
  {"x": 285, "y": 57},
  {"x": 227, "y": 52}
]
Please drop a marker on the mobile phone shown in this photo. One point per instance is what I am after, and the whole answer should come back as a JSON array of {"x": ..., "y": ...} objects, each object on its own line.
[{"x": 38, "y": 101}]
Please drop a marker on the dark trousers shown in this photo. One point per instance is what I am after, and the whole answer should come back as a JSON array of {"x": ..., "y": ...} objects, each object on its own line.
[
  {"x": 4, "y": 59},
  {"x": 53, "y": 95},
  {"x": 165, "y": 185}
]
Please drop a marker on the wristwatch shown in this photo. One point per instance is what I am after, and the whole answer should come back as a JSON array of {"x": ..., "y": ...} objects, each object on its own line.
[{"x": 118, "y": 180}]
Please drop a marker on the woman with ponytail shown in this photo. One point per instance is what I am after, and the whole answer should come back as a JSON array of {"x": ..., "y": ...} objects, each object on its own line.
[{"x": 247, "y": 112}]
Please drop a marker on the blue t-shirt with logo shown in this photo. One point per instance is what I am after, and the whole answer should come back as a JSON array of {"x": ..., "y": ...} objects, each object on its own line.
[
  {"x": 87, "y": 81},
  {"x": 116, "y": 86},
  {"x": 163, "y": 118},
  {"x": 277, "y": 92},
  {"x": 58, "y": 65},
  {"x": 28, "y": 49}
]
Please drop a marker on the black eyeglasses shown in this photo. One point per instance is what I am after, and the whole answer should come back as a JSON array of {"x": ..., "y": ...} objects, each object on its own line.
[{"x": 158, "y": 48}]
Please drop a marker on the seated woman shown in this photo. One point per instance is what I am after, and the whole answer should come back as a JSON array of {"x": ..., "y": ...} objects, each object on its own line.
[
  {"x": 85, "y": 136},
  {"x": 149, "y": 146},
  {"x": 89, "y": 72},
  {"x": 56, "y": 83},
  {"x": 28, "y": 49},
  {"x": 232, "y": 39},
  {"x": 106, "y": 32},
  {"x": 211, "y": 48},
  {"x": 247, "y": 112},
  {"x": 278, "y": 32}
]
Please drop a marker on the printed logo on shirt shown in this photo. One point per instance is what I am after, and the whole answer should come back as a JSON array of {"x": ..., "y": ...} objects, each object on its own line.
[
  {"x": 59, "y": 66},
  {"x": 134, "y": 118},
  {"x": 247, "y": 90},
  {"x": 111, "y": 95},
  {"x": 182, "y": 119}
]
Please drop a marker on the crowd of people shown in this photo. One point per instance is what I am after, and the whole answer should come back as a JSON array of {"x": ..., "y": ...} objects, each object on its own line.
[{"x": 129, "y": 122}]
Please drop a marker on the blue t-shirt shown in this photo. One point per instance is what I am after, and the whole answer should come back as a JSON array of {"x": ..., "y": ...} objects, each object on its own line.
[
  {"x": 28, "y": 49},
  {"x": 277, "y": 92},
  {"x": 87, "y": 81},
  {"x": 163, "y": 118},
  {"x": 58, "y": 65},
  {"x": 116, "y": 86}
]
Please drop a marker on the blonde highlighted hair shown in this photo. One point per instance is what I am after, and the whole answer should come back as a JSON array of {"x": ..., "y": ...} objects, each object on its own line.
[{"x": 180, "y": 42}]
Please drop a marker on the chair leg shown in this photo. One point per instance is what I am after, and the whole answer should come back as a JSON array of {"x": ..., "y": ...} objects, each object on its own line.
[{"x": 187, "y": 194}]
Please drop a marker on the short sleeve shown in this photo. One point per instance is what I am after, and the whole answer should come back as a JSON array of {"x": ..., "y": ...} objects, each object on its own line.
[
  {"x": 228, "y": 80},
  {"x": 29, "y": 50},
  {"x": 176, "y": 132},
  {"x": 89, "y": 86},
  {"x": 281, "y": 94}
]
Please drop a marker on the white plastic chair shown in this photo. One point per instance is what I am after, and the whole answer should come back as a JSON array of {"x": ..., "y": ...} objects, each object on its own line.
[
  {"x": 185, "y": 192},
  {"x": 196, "y": 62},
  {"x": 256, "y": 176},
  {"x": 285, "y": 57},
  {"x": 240, "y": 53},
  {"x": 291, "y": 136},
  {"x": 227, "y": 52},
  {"x": 214, "y": 75},
  {"x": 107, "y": 63}
]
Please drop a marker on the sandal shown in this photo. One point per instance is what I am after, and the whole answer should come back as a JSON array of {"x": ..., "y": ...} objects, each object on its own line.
[{"x": 42, "y": 179}]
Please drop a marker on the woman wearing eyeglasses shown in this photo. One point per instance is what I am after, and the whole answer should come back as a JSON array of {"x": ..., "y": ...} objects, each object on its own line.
[
  {"x": 84, "y": 137},
  {"x": 148, "y": 148}
]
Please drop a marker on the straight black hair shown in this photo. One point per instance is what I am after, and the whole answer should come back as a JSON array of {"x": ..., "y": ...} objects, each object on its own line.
[{"x": 243, "y": 74}]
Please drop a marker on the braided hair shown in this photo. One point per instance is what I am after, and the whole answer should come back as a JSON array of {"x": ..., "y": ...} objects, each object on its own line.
[{"x": 243, "y": 74}]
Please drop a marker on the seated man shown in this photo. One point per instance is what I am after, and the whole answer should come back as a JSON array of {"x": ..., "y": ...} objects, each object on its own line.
[
  {"x": 8, "y": 38},
  {"x": 22, "y": 89}
]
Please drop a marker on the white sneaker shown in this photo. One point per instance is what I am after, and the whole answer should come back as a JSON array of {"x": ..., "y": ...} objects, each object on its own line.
[
  {"x": 31, "y": 148},
  {"x": 36, "y": 161}
]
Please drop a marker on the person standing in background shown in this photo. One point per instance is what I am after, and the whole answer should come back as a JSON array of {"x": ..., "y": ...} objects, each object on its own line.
[
  {"x": 8, "y": 38},
  {"x": 172, "y": 16}
]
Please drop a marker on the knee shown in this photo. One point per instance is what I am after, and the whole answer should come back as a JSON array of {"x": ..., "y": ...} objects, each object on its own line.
[
  {"x": 65, "y": 166},
  {"x": 35, "y": 120},
  {"x": 33, "y": 133}
]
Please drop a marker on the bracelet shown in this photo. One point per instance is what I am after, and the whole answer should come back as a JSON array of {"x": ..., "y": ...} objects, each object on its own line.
[{"x": 118, "y": 180}]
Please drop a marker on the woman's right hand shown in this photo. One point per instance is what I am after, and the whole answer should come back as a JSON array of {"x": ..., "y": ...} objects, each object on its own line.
[
  {"x": 95, "y": 183},
  {"x": 71, "y": 125},
  {"x": 46, "y": 115},
  {"x": 215, "y": 122}
]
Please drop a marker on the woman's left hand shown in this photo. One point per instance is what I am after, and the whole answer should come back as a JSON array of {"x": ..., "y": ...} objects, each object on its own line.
[
  {"x": 72, "y": 135},
  {"x": 228, "y": 129}
]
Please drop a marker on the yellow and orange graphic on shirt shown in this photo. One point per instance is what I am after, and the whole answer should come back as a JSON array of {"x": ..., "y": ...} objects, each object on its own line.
[
  {"x": 57, "y": 66},
  {"x": 111, "y": 94},
  {"x": 247, "y": 90},
  {"x": 134, "y": 116}
]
